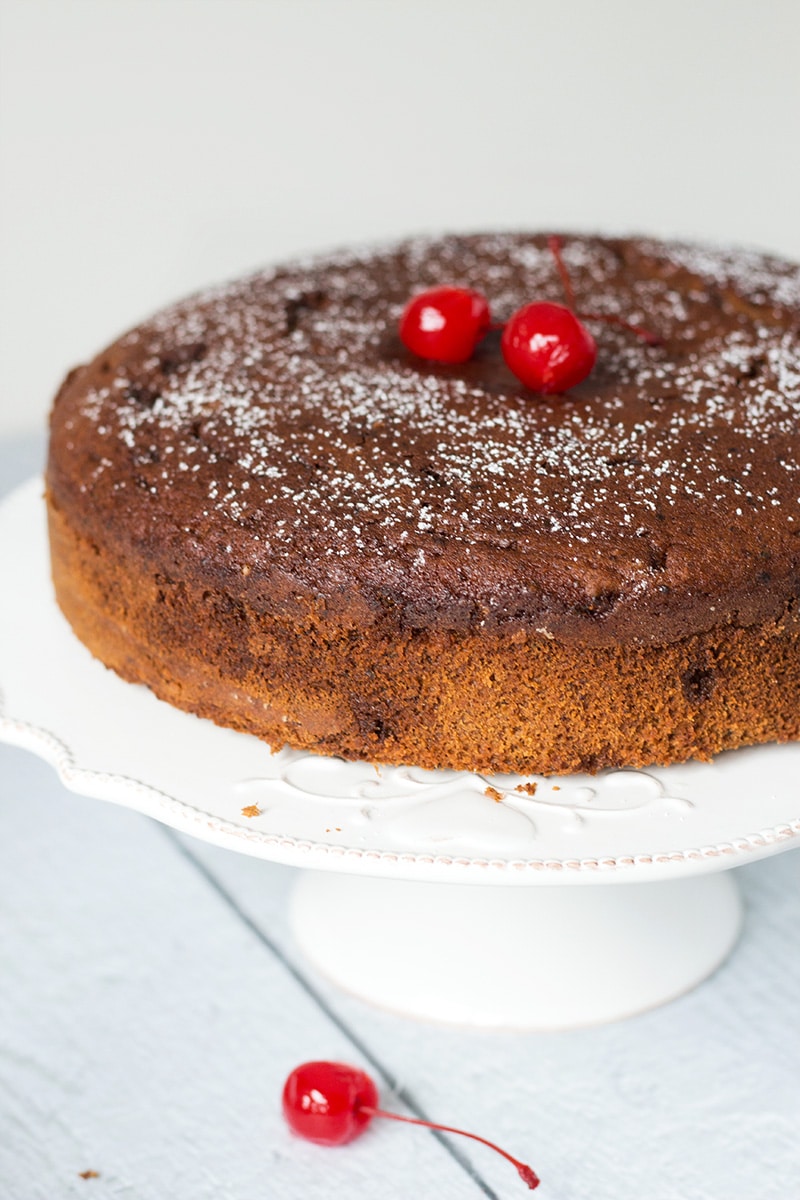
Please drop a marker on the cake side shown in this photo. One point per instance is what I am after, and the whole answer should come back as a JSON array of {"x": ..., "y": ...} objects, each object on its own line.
[{"x": 433, "y": 698}]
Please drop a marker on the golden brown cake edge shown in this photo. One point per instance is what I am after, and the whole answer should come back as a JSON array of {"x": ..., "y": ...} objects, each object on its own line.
[{"x": 435, "y": 699}]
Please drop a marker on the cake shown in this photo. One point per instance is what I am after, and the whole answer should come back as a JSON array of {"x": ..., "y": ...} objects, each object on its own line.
[{"x": 269, "y": 512}]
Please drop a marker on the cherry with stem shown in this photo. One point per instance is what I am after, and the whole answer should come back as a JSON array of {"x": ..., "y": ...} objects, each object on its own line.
[
  {"x": 546, "y": 345},
  {"x": 331, "y": 1103}
]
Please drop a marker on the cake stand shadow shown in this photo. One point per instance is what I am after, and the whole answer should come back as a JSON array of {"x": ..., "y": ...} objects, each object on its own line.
[{"x": 492, "y": 901}]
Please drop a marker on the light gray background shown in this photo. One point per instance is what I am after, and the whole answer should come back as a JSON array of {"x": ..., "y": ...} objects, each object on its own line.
[{"x": 149, "y": 147}]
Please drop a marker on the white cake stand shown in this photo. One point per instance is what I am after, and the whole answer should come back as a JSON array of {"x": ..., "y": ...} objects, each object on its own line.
[{"x": 387, "y": 905}]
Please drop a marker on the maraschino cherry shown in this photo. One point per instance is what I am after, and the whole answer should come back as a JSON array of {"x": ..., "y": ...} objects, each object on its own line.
[
  {"x": 325, "y": 1101},
  {"x": 332, "y": 1103},
  {"x": 445, "y": 324},
  {"x": 548, "y": 348}
]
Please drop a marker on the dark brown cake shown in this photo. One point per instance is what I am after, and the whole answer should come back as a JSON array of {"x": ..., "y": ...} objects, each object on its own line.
[{"x": 265, "y": 509}]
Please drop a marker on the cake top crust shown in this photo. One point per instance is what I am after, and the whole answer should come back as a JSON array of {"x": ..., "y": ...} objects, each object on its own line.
[{"x": 275, "y": 436}]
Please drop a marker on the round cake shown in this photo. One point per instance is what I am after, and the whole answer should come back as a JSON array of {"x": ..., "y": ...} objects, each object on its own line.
[{"x": 268, "y": 511}]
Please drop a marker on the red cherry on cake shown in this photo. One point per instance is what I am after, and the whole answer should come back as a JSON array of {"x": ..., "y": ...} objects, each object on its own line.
[
  {"x": 548, "y": 348},
  {"x": 445, "y": 324},
  {"x": 331, "y": 1103}
]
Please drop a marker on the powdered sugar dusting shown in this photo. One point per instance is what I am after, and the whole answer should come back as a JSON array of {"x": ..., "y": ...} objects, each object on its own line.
[{"x": 287, "y": 405}]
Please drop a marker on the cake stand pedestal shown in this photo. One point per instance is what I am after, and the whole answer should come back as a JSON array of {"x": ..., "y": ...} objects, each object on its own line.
[
  {"x": 515, "y": 958},
  {"x": 504, "y": 901}
]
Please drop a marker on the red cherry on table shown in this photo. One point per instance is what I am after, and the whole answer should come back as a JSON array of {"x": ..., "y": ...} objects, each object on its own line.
[
  {"x": 331, "y": 1103},
  {"x": 548, "y": 348},
  {"x": 324, "y": 1102},
  {"x": 445, "y": 324}
]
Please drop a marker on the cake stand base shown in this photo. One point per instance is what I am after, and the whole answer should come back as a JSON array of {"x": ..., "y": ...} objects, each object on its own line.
[{"x": 538, "y": 958}]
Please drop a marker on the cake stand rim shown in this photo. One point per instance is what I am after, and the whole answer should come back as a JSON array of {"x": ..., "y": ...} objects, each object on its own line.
[
  {"x": 297, "y": 852},
  {"x": 305, "y": 852}
]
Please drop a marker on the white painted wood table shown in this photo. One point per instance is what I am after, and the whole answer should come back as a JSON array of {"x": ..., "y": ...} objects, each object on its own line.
[{"x": 152, "y": 1003}]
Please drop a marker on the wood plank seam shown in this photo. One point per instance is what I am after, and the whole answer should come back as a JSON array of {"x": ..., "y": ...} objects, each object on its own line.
[{"x": 402, "y": 1095}]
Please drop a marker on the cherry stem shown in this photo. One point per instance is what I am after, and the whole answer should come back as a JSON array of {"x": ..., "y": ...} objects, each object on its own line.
[
  {"x": 554, "y": 245},
  {"x": 652, "y": 339},
  {"x": 526, "y": 1174}
]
